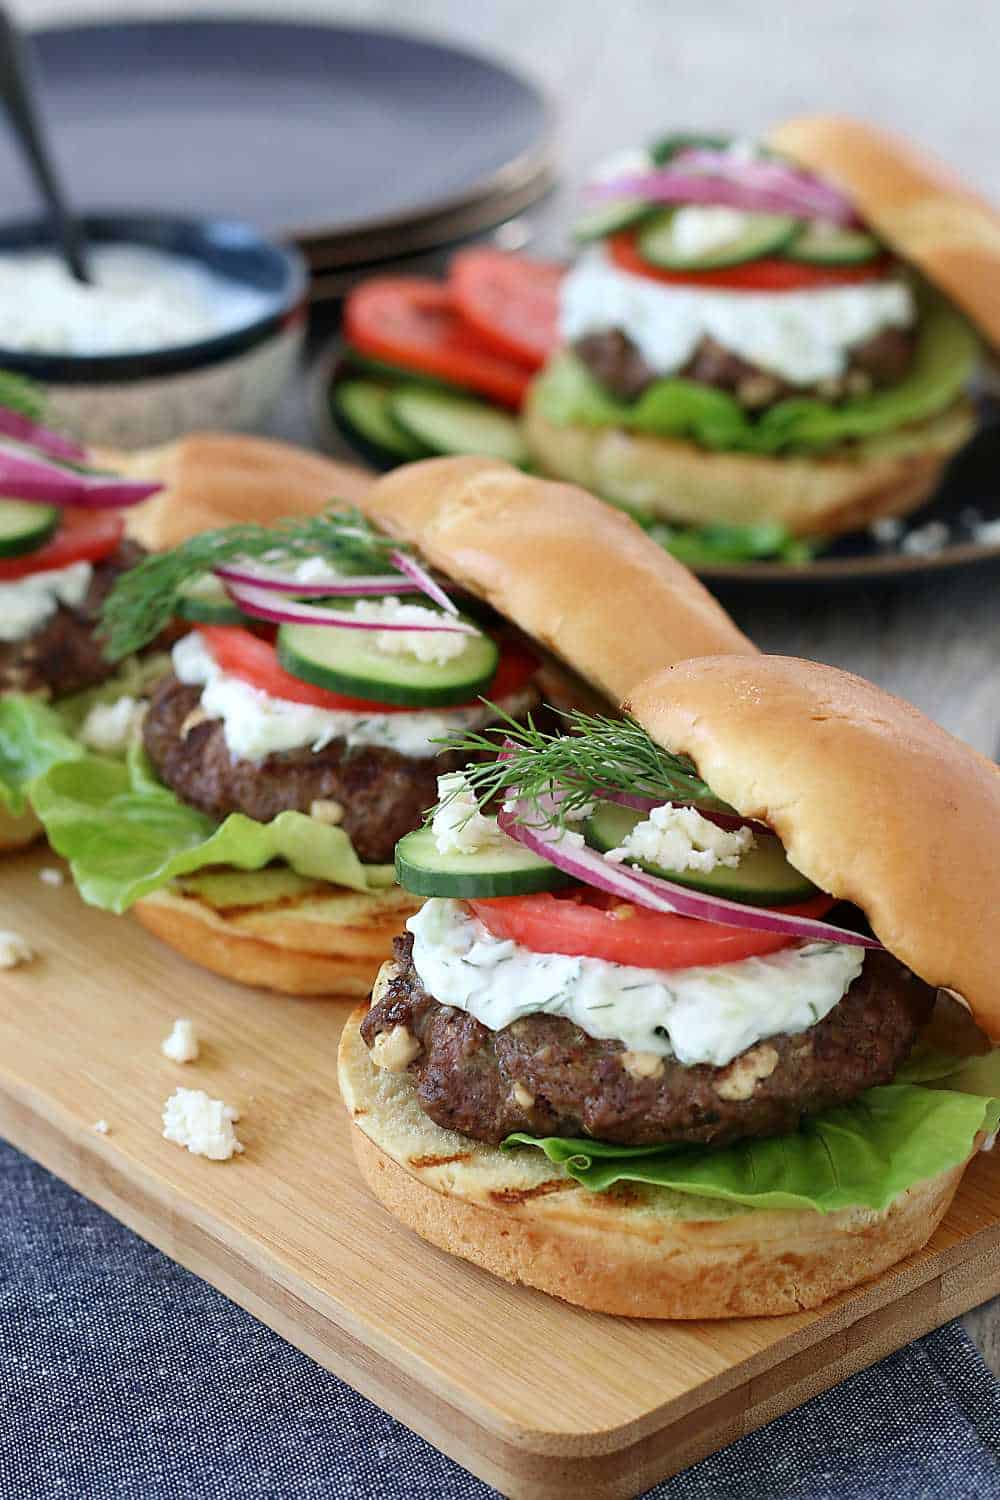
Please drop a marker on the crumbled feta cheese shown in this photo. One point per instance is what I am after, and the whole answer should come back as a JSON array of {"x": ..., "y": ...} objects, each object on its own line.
[
  {"x": 987, "y": 531},
  {"x": 51, "y": 875},
  {"x": 458, "y": 826},
  {"x": 203, "y": 1125},
  {"x": 925, "y": 541},
  {"x": 102, "y": 1127},
  {"x": 438, "y": 646},
  {"x": 27, "y": 603},
  {"x": 14, "y": 950},
  {"x": 181, "y": 1046},
  {"x": 110, "y": 726},
  {"x": 679, "y": 838},
  {"x": 885, "y": 530}
]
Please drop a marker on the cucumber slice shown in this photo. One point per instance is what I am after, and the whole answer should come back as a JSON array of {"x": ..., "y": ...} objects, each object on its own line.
[
  {"x": 424, "y": 870},
  {"x": 763, "y": 877},
  {"x": 348, "y": 661},
  {"x": 623, "y": 214},
  {"x": 664, "y": 150},
  {"x": 205, "y": 600},
  {"x": 361, "y": 409},
  {"x": 25, "y": 526},
  {"x": 819, "y": 244},
  {"x": 457, "y": 424},
  {"x": 763, "y": 234}
]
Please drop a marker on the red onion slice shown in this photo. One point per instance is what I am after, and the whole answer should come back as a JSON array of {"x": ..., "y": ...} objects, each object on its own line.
[
  {"x": 274, "y": 580},
  {"x": 25, "y": 477},
  {"x": 423, "y": 580},
  {"x": 646, "y": 805},
  {"x": 262, "y": 604},
  {"x": 590, "y": 867},
  {"x": 765, "y": 195},
  {"x": 14, "y": 424}
]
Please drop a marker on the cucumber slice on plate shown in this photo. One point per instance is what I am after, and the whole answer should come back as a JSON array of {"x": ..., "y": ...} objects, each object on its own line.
[
  {"x": 502, "y": 871},
  {"x": 819, "y": 244},
  {"x": 205, "y": 600},
  {"x": 457, "y": 424},
  {"x": 612, "y": 218},
  {"x": 349, "y": 661},
  {"x": 761, "y": 234},
  {"x": 361, "y": 410},
  {"x": 763, "y": 876},
  {"x": 25, "y": 526}
]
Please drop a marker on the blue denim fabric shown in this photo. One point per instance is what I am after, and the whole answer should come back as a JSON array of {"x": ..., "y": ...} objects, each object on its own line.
[{"x": 123, "y": 1377}]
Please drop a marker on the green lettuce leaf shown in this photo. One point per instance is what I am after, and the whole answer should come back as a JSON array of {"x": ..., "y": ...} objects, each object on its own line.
[
  {"x": 945, "y": 358},
  {"x": 126, "y": 835},
  {"x": 863, "y": 1154},
  {"x": 33, "y": 738}
]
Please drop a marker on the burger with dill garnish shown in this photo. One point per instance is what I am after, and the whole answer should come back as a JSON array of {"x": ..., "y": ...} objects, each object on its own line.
[
  {"x": 253, "y": 829},
  {"x": 770, "y": 335},
  {"x": 656, "y": 1042}
]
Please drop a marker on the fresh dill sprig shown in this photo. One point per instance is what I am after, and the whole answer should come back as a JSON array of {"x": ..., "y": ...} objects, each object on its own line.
[
  {"x": 594, "y": 756},
  {"x": 144, "y": 599},
  {"x": 19, "y": 393}
]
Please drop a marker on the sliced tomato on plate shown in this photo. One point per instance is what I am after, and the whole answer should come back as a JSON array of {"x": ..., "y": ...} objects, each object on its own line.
[
  {"x": 511, "y": 301},
  {"x": 595, "y": 925},
  {"x": 769, "y": 274},
  {"x": 415, "y": 323},
  {"x": 83, "y": 536},
  {"x": 255, "y": 661}
]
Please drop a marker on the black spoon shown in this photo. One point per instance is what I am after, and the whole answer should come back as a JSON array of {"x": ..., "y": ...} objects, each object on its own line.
[{"x": 18, "y": 93}]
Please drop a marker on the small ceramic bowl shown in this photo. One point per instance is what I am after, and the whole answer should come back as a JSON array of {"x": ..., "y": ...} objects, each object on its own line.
[{"x": 227, "y": 381}]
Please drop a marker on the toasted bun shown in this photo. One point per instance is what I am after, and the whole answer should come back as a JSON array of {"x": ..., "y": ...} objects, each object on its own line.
[
  {"x": 812, "y": 496},
  {"x": 637, "y": 1251},
  {"x": 916, "y": 204},
  {"x": 17, "y": 830},
  {"x": 213, "y": 479},
  {"x": 581, "y": 578},
  {"x": 873, "y": 802},
  {"x": 328, "y": 941}
]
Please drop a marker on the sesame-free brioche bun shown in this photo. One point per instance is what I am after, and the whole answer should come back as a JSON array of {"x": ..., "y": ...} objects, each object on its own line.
[
  {"x": 913, "y": 202},
  {"x": 636, "y": 1251},
  {"x": 582, "y": 579},
  {"x": 811, "y": 495},
  {"x": 872, "y": 801},
  {"x": 324, "y": 940},
  {"x": 215, "y": 479},
  {"x": 17, "y": 830}
]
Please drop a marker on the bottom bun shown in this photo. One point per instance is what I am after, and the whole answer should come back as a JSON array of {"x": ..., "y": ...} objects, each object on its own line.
[
  {"x": 635, "y": 1251},
  {"x": 823, "y": 495},
  {"x": 323, "y": 940},
  {"x": 17, "y": 830}
]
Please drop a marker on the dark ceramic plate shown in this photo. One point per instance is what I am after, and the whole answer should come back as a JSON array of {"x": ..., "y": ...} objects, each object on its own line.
[{"x": 320, "y": 132}]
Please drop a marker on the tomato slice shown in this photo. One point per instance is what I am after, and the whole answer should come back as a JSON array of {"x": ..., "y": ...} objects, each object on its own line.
[
  {"x": 414, "y": 323},
  {"x": 769, "y": 274},
  {"x": 255, "y": 661},
  {"x": 511, "y": 302},
  {"x": 595, "y": 925},
  {"x": 83, "y": 536}
]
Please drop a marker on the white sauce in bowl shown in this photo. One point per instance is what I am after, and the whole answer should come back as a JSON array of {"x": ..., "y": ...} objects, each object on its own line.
[{"x": 141, "y": 300}]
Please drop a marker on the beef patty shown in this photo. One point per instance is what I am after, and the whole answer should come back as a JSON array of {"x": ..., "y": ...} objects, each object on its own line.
[
  {"x": 543, "y": 1075},
  {"x": 382, "y": 794},
  {"x": 615, "y": 362},
  {"x": 64, "y": 656}
]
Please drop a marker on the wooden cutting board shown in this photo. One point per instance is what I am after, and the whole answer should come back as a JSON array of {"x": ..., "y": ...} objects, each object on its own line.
[{"x": 537, "y": 1398}]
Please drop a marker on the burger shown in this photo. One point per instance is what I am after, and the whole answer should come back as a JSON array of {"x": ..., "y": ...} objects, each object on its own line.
[
  {"x": 663, "y": 1040},
  {"x": 297, "y": 737},
  {"x": 62, "y": 547},
  {"x": 770, "y": 334}
]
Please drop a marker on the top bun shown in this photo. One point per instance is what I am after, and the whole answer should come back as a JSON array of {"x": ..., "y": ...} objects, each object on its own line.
[
  {"x": 872, "y": 801},
  {"x": 215, "y": 479},
  {"x": 582, "y": 579},
  {"x": 913, "y": 202}
]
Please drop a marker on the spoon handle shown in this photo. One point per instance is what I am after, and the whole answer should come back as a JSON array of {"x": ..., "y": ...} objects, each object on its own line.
[{"x": 19, "y": 96}]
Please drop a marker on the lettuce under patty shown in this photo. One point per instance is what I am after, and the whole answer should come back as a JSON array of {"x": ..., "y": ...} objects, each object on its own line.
[
  {"x": 126, "y": 835},
  {"x": 945, "y": 358},
  {"x": 34, "y": 736},
  {"x": 863, "y": 1154}
]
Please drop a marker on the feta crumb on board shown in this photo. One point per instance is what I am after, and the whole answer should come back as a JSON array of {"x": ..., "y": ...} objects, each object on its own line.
[
  {"x": 203, "y": 1125},
  {"x": 181, "y": 1046},
  {"x": 101, "y": 1127},
  {"x": 458, "y": 826},
  {"x": 680, "y": 838},
  {"x": 51, "y": 875},
  {"x": 14, "y": 950}
]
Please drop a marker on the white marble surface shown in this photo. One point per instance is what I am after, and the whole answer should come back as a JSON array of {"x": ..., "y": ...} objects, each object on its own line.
[{"x": 621, "y": 71}]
